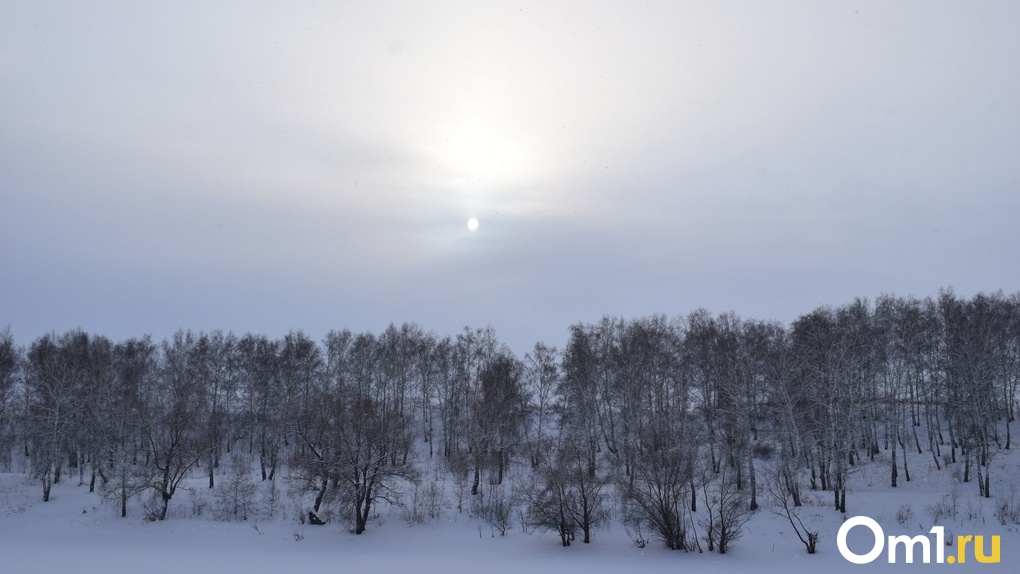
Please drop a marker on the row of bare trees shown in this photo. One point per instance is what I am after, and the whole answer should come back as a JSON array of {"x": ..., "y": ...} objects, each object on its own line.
[
  {"x": 652, "y": 418},
  {"x": 697, "y": 404}
]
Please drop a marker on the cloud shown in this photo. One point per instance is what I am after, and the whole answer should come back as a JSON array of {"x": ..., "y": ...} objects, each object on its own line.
[{"x": 318, "y": 160}]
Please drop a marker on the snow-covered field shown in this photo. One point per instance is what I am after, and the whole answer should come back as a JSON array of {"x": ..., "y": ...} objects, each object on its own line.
[{"x": 77, "y": 531}]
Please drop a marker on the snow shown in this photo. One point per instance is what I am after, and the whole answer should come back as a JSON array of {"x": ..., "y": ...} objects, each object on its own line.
[{"x": 78, "y": 531}]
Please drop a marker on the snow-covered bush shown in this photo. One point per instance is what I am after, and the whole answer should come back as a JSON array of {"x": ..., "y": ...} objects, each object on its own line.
[
  {"x": 495, "y": 506},
  {"x": 904, "y": 513},
  {"x": 235, "y": 496},
  {"x": 1008, "y": 509},
  {"x": 425, "y": 503}
]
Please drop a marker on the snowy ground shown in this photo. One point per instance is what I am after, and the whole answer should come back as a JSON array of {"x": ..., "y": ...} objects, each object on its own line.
[{"x": 77, "y": 531}]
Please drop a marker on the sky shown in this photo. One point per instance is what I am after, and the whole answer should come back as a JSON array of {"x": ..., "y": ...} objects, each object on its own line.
[{"x": 274, "y": 166}]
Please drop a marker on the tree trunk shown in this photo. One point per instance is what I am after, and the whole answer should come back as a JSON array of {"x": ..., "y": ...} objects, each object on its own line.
[
  {"x": 906, "y": 469},
  {"x": 361, "y": 511},
  {"x": 966, "y": 466},
  {"x": 319, "y": 495},
  {"x": 499, "y": 456},
  {"x": 753, "y": 479},
  {"x": 894, "y": 471},
  {"x": 165, "y": 505}
]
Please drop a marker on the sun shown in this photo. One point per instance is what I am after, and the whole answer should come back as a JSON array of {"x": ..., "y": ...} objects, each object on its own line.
[{"x": 473, "y": 224}]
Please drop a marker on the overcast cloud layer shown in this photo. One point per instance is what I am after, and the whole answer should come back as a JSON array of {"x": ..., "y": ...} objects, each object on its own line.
[{"x": 266, "y": 166}]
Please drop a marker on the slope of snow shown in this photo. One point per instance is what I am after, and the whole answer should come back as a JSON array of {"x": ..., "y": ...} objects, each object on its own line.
[{"x": 78, "y": 531}]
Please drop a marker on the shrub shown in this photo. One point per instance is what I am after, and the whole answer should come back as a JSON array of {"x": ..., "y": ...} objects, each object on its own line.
[{"x": 904, "y": 514}]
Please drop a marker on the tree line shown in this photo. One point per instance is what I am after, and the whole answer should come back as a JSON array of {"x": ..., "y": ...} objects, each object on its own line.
[{"x": 647, "y": 419}]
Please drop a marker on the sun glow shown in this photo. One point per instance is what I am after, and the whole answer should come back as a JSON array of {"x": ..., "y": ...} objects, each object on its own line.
[
  {"x": 472, "y": 224},
  {"x": 479, "y": 155}
]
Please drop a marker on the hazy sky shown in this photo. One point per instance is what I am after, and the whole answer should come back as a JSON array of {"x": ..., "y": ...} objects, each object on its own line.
[{"x": 267, "y": 166}]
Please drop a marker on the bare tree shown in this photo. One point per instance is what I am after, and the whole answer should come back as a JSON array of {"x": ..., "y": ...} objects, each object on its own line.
[
  {"x": 548, "y": 500},
  {"x": 971, "y": 330},
  {"x": 128, "y": 473},
  {"x": 566, "y": 498},
  {"x": 427, "y": 369},
  {"x": 727, "y": 510},
  {"x": 217, "y": 368},
  {"x": 475, "y": 423},
  {"x": 542, "y": 377},
  {"x": 587, "y": 390},
  {"x": 10, "y": 365},
  {"x": 837, "y": 366},
  {"x": 261, "y": 389},
  {"x": 658, "y": 494},
  {"x": 350, "y": 426},
  {"x": 499, "y": 414},
  {"x": 173, "y": 424},
  {"x": 53, "y": 394},
  {"x": 98, "y": 385},
  {"x": 777, "y": 487},
  {"x": 368, "y": 434},
  {"x": 310, "y": 397}
]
